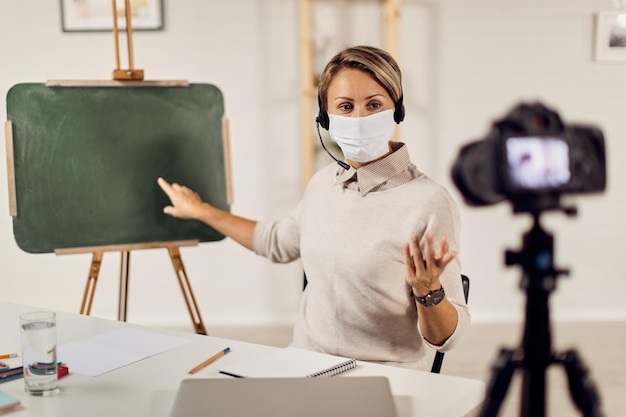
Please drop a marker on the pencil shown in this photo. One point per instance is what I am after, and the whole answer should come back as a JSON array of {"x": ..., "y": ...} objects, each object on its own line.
[
  {"x": 9, "y": 356},
  {"x": 210, "y": 360}
]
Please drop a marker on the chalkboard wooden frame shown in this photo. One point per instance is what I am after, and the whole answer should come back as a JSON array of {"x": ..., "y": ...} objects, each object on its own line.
[{"x": 85, "y": 162}]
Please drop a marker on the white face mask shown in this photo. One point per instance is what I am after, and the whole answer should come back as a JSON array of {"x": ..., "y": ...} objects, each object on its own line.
[{"x": 363, "y": 139}]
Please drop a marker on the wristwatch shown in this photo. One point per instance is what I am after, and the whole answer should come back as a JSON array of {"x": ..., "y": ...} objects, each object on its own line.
[{"x": 432, "y": 298}]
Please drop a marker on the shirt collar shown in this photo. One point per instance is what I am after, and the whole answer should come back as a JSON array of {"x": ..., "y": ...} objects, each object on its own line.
[{"x": 372, "y": 175}]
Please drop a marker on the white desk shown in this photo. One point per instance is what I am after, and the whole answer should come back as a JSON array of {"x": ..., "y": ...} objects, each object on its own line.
[{"x": 148, "y": 387}]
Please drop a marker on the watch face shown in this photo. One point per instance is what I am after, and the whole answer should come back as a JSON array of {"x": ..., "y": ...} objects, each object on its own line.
[{"x": 436, "y": 297}]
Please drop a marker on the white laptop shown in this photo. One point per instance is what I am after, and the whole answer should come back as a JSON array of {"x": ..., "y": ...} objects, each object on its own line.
[{"x": 284, "y": 397}]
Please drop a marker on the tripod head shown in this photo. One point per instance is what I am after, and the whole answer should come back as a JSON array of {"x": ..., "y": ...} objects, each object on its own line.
[{"x": 537, "y": 255}]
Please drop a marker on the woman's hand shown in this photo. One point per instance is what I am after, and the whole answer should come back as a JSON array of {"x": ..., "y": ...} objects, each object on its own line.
[
  {"x": 186, "y": 203},
  {"x": 423, "y": 271}
]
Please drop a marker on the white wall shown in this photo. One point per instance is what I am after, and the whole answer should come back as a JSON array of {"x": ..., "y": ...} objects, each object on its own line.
[
  {"x": 491, "y": 55},
  {"x": 466, "y": 63}
]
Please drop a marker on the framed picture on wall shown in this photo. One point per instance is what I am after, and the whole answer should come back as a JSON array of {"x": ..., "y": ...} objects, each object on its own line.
[
  {"x": 611, "y": 36},
  {"x": 97, "y": 15}
]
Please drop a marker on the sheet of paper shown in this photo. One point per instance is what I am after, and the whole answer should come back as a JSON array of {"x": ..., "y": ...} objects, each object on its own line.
[{"x": 112, "y": 350}]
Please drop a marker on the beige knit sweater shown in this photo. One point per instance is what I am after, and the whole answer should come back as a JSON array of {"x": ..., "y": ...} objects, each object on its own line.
[{"x": 357, "y": 302}]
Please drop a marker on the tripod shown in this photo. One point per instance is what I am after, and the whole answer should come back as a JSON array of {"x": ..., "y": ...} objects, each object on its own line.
[{"x": 535, "y": 354}]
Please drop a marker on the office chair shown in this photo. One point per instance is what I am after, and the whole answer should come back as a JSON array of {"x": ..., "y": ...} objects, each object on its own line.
[
  {"x": 439, "y": 355},
  {"x": 438, "y": 360}
]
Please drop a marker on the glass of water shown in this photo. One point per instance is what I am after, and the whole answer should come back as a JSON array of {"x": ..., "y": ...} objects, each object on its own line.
[{"x": 39, "y": 352}]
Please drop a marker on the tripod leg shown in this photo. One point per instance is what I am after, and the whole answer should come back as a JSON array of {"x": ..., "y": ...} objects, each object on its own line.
[
  {"x": 500, "y": 379},
  {"x": 581, "y": 387}
]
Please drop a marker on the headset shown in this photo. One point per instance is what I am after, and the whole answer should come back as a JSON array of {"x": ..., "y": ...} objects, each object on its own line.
[{"x": 324, "y": 121}]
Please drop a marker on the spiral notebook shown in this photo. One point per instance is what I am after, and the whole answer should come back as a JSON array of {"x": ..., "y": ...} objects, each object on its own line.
[{"x": 290, "y": 362}]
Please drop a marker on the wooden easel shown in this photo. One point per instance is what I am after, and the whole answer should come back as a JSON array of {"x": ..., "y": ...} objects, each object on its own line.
[
  {"x": 94, "y": 272},
  {"x": 135, "y": 77},
  {"x": 131, "y": 73}
]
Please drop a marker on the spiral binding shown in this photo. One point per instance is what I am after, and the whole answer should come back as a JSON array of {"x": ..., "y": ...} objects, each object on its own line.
[{"x": 335, "y": 370}]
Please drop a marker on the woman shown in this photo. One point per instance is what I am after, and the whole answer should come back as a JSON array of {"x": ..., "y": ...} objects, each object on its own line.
[{"x": 379, "y": 288}]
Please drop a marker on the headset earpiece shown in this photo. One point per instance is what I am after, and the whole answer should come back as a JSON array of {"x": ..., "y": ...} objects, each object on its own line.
[
  {"x": 398, "y": 113},
  {"x": 322, "y": 117}
]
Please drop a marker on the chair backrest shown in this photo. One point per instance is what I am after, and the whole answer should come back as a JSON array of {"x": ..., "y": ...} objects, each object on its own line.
[{"x": 436, "y": 368}]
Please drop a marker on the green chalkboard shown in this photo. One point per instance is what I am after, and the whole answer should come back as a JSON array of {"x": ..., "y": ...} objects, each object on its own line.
[{"x": 86, "y": 161}]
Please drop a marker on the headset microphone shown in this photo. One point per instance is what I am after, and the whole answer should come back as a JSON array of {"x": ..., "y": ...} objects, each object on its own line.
[{"x": 341, "y": 163}]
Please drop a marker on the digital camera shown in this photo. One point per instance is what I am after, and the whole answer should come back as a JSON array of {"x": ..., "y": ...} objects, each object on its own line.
[{"x": 531, "y": 158}]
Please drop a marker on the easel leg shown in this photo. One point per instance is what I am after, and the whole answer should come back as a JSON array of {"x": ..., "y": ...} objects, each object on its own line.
[
  {"x": 123, "y": 296},
  {"x": 92, "y": 280},
  {"x": 185, "y": 287}
]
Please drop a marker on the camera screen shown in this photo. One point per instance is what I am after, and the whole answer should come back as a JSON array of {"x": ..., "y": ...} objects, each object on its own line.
[{"x": 537, "y": 162}]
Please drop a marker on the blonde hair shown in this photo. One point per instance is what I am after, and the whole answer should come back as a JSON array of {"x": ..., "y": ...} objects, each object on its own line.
[{"x": 374, "y": 61}]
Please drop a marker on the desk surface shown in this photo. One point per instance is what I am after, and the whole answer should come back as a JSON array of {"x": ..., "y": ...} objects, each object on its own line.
[{"x": 148, "y": 387}]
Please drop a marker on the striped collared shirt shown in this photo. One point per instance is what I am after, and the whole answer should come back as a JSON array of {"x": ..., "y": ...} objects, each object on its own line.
[{"x": 392, "y": 171}]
